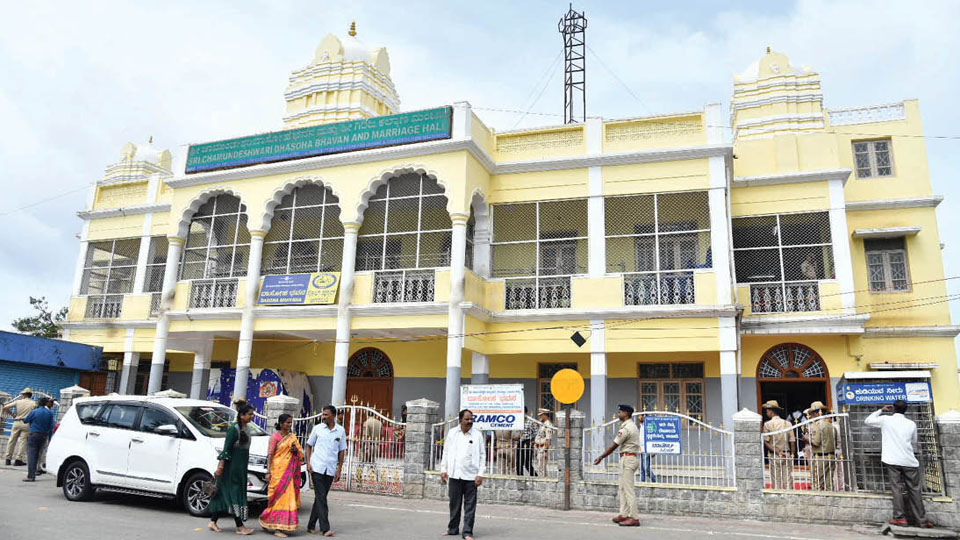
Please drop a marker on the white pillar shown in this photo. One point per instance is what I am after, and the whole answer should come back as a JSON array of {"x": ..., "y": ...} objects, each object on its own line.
[
  {"x": 84, "y": 233},
  {"x": 480, "y": 368},
  {"x": 729, "y": 378},
  {"x": 596, "y": 225},
  {"x": 201, "y": 369},
  {"x": 720, "y": 233},
  {"x": 840, "y": 236},
  {"x": 175, "y": 245},
  {"x": 598, "y": 371},
  {"x": 341, "y": 355},
  {"x": 455, "y": 314},
  {"x": 131, "y": 360},
  {"x": 144, "y": 255},
  {"x": 252, "y": 287}
]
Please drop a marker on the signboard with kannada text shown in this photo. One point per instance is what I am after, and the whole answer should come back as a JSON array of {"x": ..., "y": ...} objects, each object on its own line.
[
  {"x": 661, "y": 434},
  {"x": 882, "y": 393},
  {"x": 299, "y": 289},
  {"x": 376, "y": 132},
  {"x": 495, "y": 407}
]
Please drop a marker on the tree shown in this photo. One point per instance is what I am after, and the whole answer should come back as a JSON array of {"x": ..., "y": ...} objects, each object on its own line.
[{"x": 45, "y": 323}]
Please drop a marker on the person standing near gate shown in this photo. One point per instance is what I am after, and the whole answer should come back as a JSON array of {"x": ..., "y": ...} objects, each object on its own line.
[
  {"x": 17, "y": 443},
  {"x": 325, "y": 448},
  {"x": 898, "y": 438},
  {"x": 779, "y": 445},
  {"x": 462, "y": 465},
  {"x": 525, "y": 449},
  {"x": 542, "y": 441},
  {"x": 40, "y": 421},
  {"x": 823, "y": 446},
  {"x": 628, "y": 442}
]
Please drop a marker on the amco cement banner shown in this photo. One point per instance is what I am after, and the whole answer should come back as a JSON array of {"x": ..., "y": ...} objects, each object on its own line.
[
  {"x": 495, "y": 406},
  {"x": 661, "y": 434},
  {"x": 376, "y": 132},
  {"x": 299, "y": 289},
  {"x": 884, "y": 393}
]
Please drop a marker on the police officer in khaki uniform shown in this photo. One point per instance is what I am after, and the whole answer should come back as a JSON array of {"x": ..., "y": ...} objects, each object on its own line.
[
  {"x": 20, "y": 430},
  {"x": 823, "y": 442},
  {"x": 541, "y": 443},
  {"x": 628, "y": 442},
  {"x": 780, "y": 446}
]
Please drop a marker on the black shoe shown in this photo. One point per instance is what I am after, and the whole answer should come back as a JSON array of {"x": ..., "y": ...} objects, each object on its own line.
[
  {"x": 19, "y": 463},
  {"x": 41, "y": 471},
  {"x": 7, "y": 463}
]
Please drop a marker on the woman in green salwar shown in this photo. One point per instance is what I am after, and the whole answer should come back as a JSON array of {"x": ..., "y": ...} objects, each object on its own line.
[{"x": 231, "y": 496}]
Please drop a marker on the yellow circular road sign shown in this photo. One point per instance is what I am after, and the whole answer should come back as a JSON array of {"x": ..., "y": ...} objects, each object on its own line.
[{"x": 566, "y": 386}]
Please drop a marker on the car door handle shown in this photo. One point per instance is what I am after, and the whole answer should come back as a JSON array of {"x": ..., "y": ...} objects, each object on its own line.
[
  {"x": 136, "y": 440},
  {"x": 93, "y": 433}
]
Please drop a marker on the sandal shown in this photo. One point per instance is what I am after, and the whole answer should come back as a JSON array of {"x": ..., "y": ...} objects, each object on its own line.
[{"x": 213, "y": 527}]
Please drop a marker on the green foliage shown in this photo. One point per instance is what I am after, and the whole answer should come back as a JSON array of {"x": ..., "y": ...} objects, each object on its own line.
[{"x": 44, "y": 323}]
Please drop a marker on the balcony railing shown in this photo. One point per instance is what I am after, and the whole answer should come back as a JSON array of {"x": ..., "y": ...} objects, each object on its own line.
[
  {"x": 538, "y": 293},
  {"x": 862, "y": 115},
  {"x": 155, "y": 304},
  {"x": 213, "y": 293},
  {"x": 788, "y": 297},
  {"x": 403, "y": 286},
  {"x": 104, "y": 306},
  {"x": 662, "y": 289}
]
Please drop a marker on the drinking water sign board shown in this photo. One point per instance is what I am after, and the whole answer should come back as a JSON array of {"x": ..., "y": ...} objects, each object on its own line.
[{"x": 376, "y": 132}]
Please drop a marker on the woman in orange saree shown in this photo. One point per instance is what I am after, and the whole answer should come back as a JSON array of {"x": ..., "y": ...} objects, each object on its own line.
[{"x": 284, "y": 456}]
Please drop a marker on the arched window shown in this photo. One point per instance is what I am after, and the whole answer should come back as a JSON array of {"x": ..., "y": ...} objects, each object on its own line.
[
  {"x": 405, "y": 226},
  {"x": 218, "y": 242},
  {"x": 306, "y": 234},
  {"x": 369, "y": 363},
  {"x": 791, "y": 361}
]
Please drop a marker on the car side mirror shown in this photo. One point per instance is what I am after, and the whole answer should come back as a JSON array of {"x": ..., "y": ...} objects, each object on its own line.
[{"x": 169, "y": 430}]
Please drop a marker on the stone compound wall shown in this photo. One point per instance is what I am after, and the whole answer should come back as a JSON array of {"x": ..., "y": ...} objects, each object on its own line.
[{"x": 747, "y": 500}]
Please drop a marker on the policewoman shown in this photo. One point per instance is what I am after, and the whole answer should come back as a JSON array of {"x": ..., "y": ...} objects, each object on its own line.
[{"x": 627, "y": 442}]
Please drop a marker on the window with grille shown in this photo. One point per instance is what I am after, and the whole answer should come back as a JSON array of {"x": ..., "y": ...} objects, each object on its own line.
[
  {"x": 306, "y": 234},
  {"x": 108, "y": 274},
  {"x": 657, "y": 241},
  {"x": 218, "y": 242},
  {"x": 544, "y": 243},
  {"x": 677, "y": 387},
  {"x": 545, "y": 373},
  {"x": 887, "y": 265},
  {"x": 783, "y": 257},
  {"x": 405, "y": 226},
  {"x": 156, "y": 264},
  {"x": 471, "y": 232},
  {"x": 873, "y": 158}
]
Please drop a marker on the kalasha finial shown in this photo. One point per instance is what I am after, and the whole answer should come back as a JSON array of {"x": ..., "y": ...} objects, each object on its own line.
[
  {"x": 768, "y": 49},
  {"x": 353, "y": 29},
  {"x": 151, "y": 140}
]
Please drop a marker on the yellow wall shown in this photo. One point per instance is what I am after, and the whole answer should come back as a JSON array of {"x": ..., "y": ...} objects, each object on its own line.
[
  {"x": 779, "y": 199},
  {"x": 659, "y": 177}
]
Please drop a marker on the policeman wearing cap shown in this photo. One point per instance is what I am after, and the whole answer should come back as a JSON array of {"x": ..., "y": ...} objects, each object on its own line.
[
  {"x": 823, "y": 441},
  {"x": 628, "y": 443}
]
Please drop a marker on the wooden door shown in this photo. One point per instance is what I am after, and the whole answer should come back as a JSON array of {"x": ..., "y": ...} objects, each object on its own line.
[
  {"x": 95, "y": 382},
  {"x": 376, "y": 392}
]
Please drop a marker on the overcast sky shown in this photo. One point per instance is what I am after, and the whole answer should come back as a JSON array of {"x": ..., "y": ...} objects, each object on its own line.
[{"x": 79, "y": 79}]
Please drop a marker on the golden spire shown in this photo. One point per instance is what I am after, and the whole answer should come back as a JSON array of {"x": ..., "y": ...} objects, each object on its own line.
[
  {"x": 353, "y": 29},
  {"x": 768, "y": 49}
]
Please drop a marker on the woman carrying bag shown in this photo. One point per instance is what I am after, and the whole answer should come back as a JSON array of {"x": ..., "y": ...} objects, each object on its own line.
[
  {"x": 284, "y": 456},
  {"x": 231, "y": 475}
]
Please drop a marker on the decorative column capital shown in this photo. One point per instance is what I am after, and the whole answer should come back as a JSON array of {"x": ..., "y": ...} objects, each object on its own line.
[
  {"x": 351, "y": 227},
  {"x": 175, "y": 240},
  {"x": 255, "y": 234},
  {"x": 459, "y": 219}
]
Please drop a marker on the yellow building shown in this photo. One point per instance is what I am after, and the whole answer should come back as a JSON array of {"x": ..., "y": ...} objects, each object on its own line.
[{"x": 705, "y": 274}]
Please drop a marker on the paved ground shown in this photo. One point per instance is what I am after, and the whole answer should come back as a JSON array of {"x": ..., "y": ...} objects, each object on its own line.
[{"x": 39, "y": 510}]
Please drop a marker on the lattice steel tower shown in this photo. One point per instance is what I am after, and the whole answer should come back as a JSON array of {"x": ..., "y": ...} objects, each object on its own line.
[{"x": 572, "y": 27}]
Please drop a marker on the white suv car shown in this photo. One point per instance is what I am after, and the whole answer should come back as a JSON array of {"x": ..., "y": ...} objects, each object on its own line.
[{"x": 163, "y": 447}]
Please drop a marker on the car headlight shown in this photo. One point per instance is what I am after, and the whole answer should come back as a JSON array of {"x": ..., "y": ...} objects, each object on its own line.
[{"x": 257, "y": 461}]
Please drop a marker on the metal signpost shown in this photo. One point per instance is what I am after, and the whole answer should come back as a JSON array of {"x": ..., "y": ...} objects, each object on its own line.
[{"x": 566, "y": 387}]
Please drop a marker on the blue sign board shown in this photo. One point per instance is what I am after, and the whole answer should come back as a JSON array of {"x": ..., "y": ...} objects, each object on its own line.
[
  {"x": 299, "y": 289},
  {"x": 661, "y": 434},
  {"x": 885, "y": 392}
]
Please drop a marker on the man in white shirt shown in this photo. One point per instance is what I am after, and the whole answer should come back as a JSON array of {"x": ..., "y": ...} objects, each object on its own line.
[
  {"x": 324, "y": 457},
  {"x": 899, "y": 438},
  {"x": 462, "y": 465}
]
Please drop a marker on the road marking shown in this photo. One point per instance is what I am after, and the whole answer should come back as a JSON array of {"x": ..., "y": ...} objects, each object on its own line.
[{"x": 594, "y": 524}]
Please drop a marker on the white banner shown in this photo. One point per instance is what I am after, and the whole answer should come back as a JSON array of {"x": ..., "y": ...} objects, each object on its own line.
[{"x": 494, "y": 406}]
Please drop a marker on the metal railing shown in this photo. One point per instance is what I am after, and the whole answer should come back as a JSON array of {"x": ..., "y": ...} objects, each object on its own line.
[
  {"x": 404, "y": 286},
  {"x": 155, "y": 304},
  {"x": 104, "y": 306},
  {"x": 375, "y": 445},
  {"x": 785, "y": 297},
  {"x": 809, "y": 456},
  {"x": 538, "y": 293},
  {"x": 663, "y": 289},
  {"x": 507, "y": 452},
  {"x": 704, "y": 458},
  {"x": 213, "y": 293}
]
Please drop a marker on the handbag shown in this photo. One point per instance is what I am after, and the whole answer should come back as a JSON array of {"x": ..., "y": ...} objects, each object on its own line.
[{"x": 209, "y": 488}]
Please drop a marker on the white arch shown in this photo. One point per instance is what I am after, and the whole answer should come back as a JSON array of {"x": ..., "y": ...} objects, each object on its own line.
[
  {"x": 374, "y": 184},
  {"x": 183, "y": 225},
  {"x": 287, "y": 189}
]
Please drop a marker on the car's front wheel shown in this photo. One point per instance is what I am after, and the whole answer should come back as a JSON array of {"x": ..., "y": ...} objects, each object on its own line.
[
  {"x": 192, "y": 497},
  {"x": 76, "y": 482}
]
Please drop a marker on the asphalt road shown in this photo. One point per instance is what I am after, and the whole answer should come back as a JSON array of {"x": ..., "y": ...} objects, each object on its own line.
[{"x": 39, "y": 510}]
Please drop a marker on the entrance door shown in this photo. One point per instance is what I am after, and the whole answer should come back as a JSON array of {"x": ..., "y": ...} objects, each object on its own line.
[
  {"x": 370, "y": 380},
  {"x": 794, "y": 375}
]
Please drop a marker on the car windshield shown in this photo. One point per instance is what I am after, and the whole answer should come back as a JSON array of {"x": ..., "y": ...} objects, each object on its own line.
[{"x": 213, "y": 421}]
